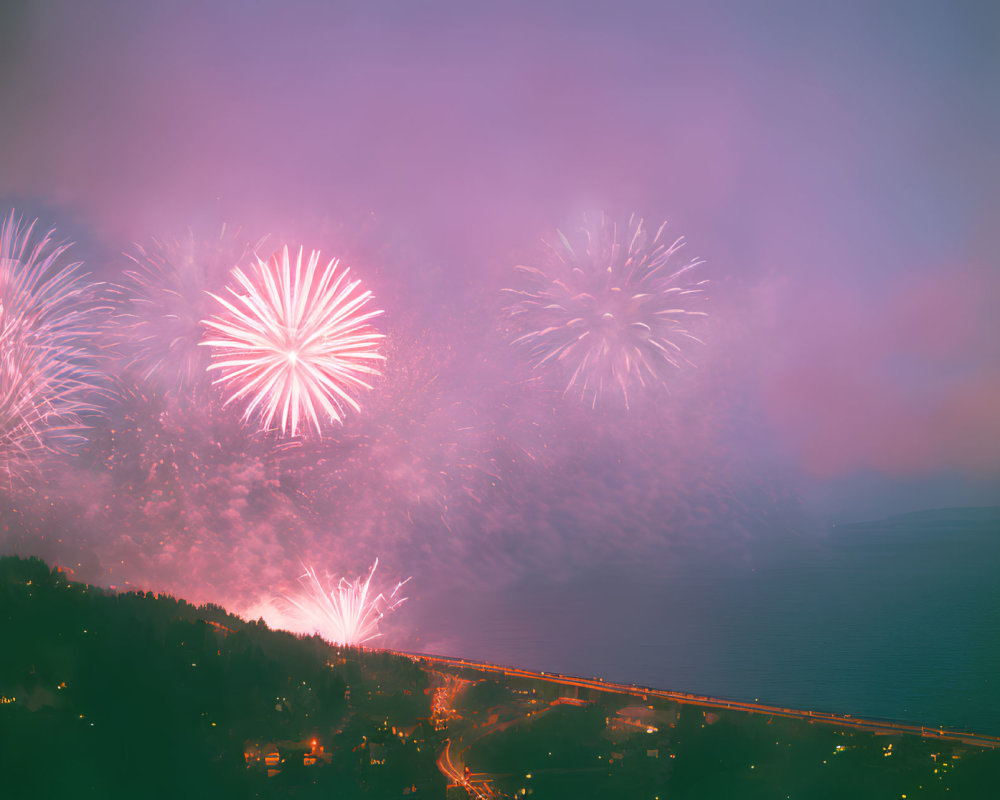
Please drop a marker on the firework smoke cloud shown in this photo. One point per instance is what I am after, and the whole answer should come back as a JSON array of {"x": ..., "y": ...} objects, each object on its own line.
[
  {"x": 47, "y": 317},
  {"x": 608, "y": 313},
  {"x": 295, "y": 343}
]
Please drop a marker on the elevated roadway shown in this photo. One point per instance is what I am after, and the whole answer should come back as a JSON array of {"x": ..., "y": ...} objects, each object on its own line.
[{"x": 877, "y": 726}]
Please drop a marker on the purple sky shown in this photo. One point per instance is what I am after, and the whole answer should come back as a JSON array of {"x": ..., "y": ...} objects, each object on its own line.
[{"x": 837, "y": 168}]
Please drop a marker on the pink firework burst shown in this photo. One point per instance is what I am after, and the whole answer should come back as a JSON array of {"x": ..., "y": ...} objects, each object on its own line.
[
  {"x": 609, "y": 313},
  {"x": 47, "y": 320},
  {"x": 162, "y": 298},
  {"x": 294, "y": 342}
]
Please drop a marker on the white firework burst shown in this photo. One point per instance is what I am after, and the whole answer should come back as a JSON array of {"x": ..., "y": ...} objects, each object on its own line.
[
  {"x": 295, "y": 342},
  {"x": 610, "y": 313},
  {"x": 343, "y": 612}
]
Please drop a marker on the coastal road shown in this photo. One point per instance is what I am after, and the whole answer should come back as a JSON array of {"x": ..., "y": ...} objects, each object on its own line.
[
  {"x": 443, "y": 711},
  {"x": 477, "y": 786},
  {"x": 839, "y": 720}
]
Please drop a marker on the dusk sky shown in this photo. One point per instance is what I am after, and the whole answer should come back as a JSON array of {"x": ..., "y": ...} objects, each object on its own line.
[{"x": 835, "y": 165}]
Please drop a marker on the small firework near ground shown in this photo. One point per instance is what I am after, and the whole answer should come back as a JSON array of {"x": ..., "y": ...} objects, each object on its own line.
[
  {"x": 46, "y": 320},
  {"x": 609, "y": 312},
  {"x": 341, "y": 611},
  {"x": 295, "y": 343}
]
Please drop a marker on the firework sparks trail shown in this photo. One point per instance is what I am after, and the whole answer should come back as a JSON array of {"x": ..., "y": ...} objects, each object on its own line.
[
  {"x": 347, "y": 613},
  {"x": 296, "y": 341},
  {"x": 46, "y": 317},
  {"x": 162, "y": 299},
  {"x": 612, "y": 313}
]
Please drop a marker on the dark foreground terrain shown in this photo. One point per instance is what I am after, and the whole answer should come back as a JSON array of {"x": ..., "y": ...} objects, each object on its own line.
[
  {"x": 139, "y": 696},
  {"x": 134, "y": 695}
]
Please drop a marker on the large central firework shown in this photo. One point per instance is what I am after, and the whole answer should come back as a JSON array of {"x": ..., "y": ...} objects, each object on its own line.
[
  {"x": 609, "y": 313},
  {"x": 295, "y": 342},
  {"x": 347, "y": 613}
]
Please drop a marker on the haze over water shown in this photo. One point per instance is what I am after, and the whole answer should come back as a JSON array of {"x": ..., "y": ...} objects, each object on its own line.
[{"x": 894, "y": 621}]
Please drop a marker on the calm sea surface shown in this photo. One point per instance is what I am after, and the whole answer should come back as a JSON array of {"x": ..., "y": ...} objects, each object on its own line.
[{"x": 899, "y": 620}]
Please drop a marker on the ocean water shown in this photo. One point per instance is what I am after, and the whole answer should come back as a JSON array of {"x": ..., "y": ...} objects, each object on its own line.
[{"x": 898, "y": 619}]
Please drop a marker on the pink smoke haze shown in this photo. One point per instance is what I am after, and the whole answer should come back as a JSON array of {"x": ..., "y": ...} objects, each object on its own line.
[
  {"x": 834, "y": 167},
  {"x": 901, "y": 379}
]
